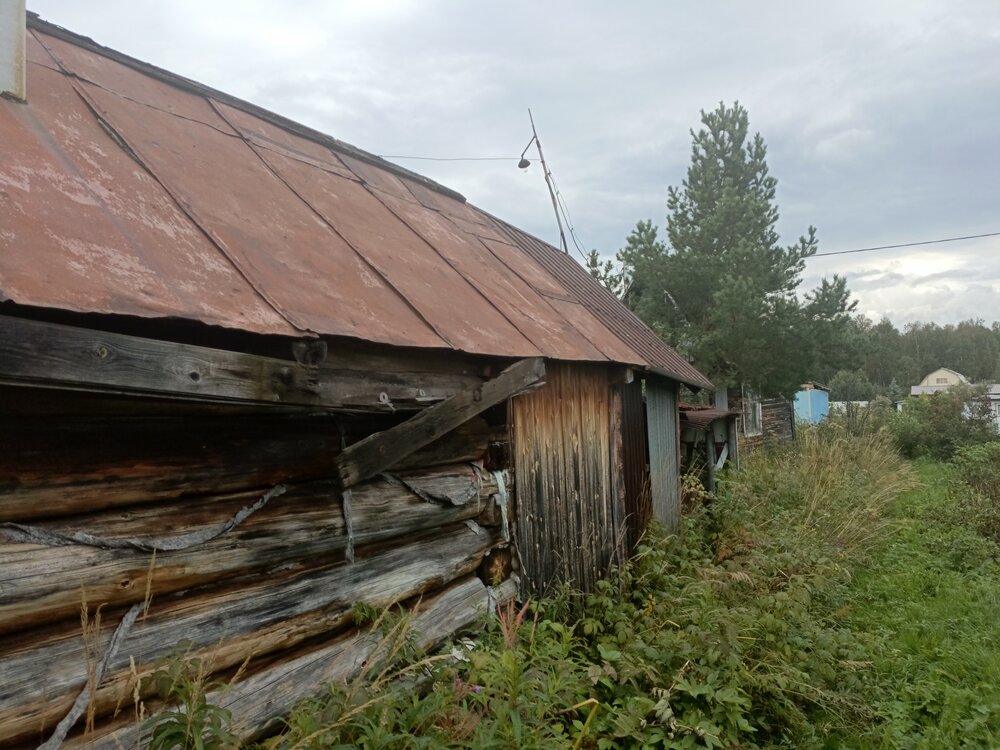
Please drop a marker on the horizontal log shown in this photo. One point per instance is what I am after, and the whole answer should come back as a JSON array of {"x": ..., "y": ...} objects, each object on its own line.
[
  {"x": 40, "y": 584},
  {"x": 262, "y": 698},
  {"x": 41, "y": 680},
  {"x": 38, "y": 353},
  {"x": 60, "y": 465}
]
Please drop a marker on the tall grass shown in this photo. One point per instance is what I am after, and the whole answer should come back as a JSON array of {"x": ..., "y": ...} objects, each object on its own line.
[
  {"x": 828, "y": 488},
  {"x": 932, "y": 595}
]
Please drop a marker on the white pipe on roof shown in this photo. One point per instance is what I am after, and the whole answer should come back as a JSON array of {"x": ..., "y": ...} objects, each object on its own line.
[{"x": 12, "y": 64}]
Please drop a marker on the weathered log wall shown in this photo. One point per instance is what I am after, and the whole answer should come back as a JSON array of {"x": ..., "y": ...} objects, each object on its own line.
[{"x": 271, "y": 597}]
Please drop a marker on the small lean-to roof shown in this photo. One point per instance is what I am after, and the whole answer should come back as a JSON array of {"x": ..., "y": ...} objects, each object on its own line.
[
  {"x": 699, "y": 417},
  {"x": 128, "y": 190}
]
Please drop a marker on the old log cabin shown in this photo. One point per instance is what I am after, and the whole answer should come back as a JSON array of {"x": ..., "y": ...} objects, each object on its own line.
[{"x": 251, "y": 375}]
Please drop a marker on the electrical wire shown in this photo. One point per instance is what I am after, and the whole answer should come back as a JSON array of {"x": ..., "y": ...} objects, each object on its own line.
[
  {"x": 452, "y": 158},
  {"x": 564, "y": 209},
  {"x": 907, "y": 244}
]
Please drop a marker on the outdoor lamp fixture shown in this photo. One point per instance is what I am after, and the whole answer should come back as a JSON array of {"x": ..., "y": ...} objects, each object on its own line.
[{"x": 524, "y": 163}]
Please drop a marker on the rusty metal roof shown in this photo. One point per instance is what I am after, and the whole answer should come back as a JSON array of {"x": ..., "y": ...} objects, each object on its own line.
[
  {"x": 125, "y": 189},
  {"x": 659, "y": 357}
]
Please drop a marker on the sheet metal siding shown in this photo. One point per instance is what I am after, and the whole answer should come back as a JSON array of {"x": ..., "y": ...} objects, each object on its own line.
[
  {"x": 635, "y": 464},
  {"x": 127, "y": 190},
  {"x": 664, "y": 457},
  {"x": 565, "y": 508}
]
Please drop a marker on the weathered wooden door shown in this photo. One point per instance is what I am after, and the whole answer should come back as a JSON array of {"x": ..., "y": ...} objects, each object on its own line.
[{"x": 567, "y": 518}]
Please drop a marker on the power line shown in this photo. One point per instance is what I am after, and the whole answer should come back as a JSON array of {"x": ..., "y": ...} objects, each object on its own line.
[
  {"x": 564, "y": 208},
  {"x": 452, "y": 158},
  {"x": 907, "y": 244}
]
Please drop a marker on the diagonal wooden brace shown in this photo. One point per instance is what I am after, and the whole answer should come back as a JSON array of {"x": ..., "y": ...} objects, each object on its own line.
[{"x": 377, "y": 452}]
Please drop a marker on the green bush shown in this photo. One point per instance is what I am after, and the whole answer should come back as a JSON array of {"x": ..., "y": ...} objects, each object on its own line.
[
  {"x": 190, "y": 722},
  {"x": 939, "y": 424},
  {"x": 979, "y": 467}
]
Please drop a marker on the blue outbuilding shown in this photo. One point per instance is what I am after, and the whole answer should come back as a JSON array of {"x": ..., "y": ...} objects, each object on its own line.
[{"x": 812, "y": 403}]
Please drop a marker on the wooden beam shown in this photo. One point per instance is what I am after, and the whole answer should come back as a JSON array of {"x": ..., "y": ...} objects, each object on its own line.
[
  {"x": 377, "y": 452},
  {"x": 259, "y": 701},
  {"x": 54, "y": 355}
]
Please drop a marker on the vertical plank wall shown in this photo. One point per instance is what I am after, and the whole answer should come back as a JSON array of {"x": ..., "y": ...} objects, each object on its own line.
[
  {"x": 664, "y": 478},
  {"x": 566, "y": 512}
]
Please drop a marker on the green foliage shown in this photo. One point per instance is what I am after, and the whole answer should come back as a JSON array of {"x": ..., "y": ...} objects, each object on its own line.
[
  {"x": 941, "y": 423},
  {"x": 887, "y": 354},
  {"x": 930, "y": 597},
  {"x": 979, "y": 468},
  {"x": 722, "y": 290},
  {"x": 190, "y": 722},
  {"x": 851, "y": 385}
]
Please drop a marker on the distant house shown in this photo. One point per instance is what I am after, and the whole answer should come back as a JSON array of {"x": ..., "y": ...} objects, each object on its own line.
[
  {"x": 993, "y": 393},
  {"x": 812, "y": 403},
  {"x": 943, "y": 378},
  {"x": 940, "y": 380},
  {"x": 761, "y": 420}
]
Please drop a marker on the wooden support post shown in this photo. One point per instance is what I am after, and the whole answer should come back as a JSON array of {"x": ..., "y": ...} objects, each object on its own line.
[
  {"x": 710, "y": 457},
  {"x": 377, "y": 452}
]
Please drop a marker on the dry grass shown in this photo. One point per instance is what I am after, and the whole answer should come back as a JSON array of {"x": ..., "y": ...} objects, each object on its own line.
[{"x": 830, "y": 488}]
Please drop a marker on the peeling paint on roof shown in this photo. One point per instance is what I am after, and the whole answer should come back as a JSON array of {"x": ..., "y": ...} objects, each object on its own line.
[{"x": 125, "y": 189}]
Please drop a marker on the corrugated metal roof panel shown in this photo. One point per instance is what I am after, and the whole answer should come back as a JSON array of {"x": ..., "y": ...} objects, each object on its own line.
[
  {"x": 84, "y": 228},
  {"x": 125, "y": 189}
]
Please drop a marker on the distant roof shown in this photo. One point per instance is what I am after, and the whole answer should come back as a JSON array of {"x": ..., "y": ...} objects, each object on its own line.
[
  {"x": 961, "y": 378},
  {"x": 129, "y": 190}
]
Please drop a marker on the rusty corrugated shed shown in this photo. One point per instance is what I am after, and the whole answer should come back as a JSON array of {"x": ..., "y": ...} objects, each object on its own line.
[
  {"x": 127, "y": 190},
  {"x": 635, "y": 462},
  {"x": 664, "y": 451}
]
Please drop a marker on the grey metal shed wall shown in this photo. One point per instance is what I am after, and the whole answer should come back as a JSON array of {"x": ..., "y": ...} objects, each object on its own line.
[
  {"x": 635, "y": 460},
  {"x": 663, "y": 431}
]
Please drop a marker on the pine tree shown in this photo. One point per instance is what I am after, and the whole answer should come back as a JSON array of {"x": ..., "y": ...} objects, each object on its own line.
[{"x": 722, "y": 289}]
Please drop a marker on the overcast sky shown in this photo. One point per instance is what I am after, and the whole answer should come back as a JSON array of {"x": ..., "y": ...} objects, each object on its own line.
[{"x": 882, "y": 119}]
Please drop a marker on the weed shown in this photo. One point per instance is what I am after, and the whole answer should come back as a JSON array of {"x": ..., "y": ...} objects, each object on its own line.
[{"x": 191, "y": 722}]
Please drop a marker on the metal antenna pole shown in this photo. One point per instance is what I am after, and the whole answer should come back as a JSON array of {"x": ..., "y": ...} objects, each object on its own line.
[{"x": 548, "y": 183}]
